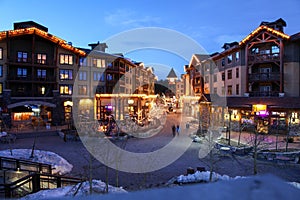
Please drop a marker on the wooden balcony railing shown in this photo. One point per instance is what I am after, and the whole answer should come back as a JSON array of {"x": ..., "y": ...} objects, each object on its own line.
[
  {"x": 257, "y": 58},
  {"x": 274, "y": 76}
]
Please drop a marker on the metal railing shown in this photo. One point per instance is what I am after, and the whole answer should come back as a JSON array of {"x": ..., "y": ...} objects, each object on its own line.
[
  {"x": 24, "y": 165},
  {"x": 35, "y": 182}
]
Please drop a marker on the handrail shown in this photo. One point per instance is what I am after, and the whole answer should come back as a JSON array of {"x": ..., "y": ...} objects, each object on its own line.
[
  {"x": 35, "y": 181},
  {"x": 18, "y": 163}
]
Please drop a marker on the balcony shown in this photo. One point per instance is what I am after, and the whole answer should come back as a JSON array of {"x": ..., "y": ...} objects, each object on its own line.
[
  {"x": 261, "y": 58},
  {"x": 264, "y": 77},
  {"x": 28, "y": 61},
  {"x": 264, "y": 94},
  {"x": 15, "y": 78}
]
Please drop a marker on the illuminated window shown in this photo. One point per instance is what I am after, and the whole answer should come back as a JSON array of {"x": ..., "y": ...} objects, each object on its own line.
[
  {"x": 1, "y": 70},
  {"x": 22, "y": 56},
  {"x": 41, "y": 90},
  {"x": 66, "y": 74},
  {"x": 41, "y": 58},
  {"x": 1, "y": 53},
  {"x": 1, "y": 88},
  {"x": 82, "y": 89},
  {"x": 41, "y": 73},
  {"x": 21, "y": 72},
  {"x": 97, "y": 62},
  {"x": 82, "y": 75},
  {"x": 65, "y": 89},
  {"x": 66, "y": 59}
]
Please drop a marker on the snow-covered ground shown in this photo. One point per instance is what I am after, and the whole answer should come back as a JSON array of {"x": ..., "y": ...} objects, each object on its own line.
[
  {"x": 71, "y": 191},
  {"x": 58, "y": 163}
]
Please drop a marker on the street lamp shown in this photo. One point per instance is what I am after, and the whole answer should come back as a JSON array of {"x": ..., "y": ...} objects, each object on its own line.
[{"x": 229, "y": 125}]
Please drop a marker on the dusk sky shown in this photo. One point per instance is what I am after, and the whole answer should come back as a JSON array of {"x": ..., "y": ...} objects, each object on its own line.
[{"x": 210, "y": 23}]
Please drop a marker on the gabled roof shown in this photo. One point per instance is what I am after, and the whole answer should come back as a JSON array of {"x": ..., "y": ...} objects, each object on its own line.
[
  {"x": 172, "y": 74},
  {"x": 263, "y": 28},
  {"x": 43, "y": 34}
]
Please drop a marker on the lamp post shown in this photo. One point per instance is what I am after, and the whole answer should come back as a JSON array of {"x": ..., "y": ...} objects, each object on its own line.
[{"x": 229, "y": 125}]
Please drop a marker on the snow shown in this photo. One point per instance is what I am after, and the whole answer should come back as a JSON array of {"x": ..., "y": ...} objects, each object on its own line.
[
  {"x": 59, "y": 164},
  {"x": 203, "y": 177},
  {"x": 70, "y": 191}
]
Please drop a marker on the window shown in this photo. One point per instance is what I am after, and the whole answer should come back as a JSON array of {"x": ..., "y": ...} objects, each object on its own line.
[
  {"x": 223, "y": 62},
  {"x": 41, "y": 58},
  {"x": 275, "y": 49},
  {"x": 1, "y": 53},
  {"x": 206, "y": 67},
  {"x": 82, "y": 89},
  {"x": 41, "y": 73},
  {"x": 223, "y": 90},
  {"x": 229, "y": 74},
  {"x": 223, "y": 76},
  {"x": 97, "y": 62},
  {"x": 109, "y": 77},
  {"x": 1, "y": 88},
  {"x": 229, "y": 90},
  {"x": 65, "y": 89},
  {"x": 99, "y": 76},
  {"x": 21, "y": 72},
  {"x": 82, "y": 75},
  {"x": 22, "y": 56},
  {"x": 237, "y": 56},
  {"x": 229, "y": 58},
  {"x": 206, "y": 79},
  {"x": 237, "y": 89},
  {"x": 1, "y": 70},
  {"x": 82, "y": 62},
  {"x": 215, "y": 78},
  {"x": 66, "y": 74},
  {"x": 66, "y": 59},
  {"x": 41, "y": 90},
  {"x": 127, "y": 68},
  {"x": 237, "y": 73},
  {"x": 215, "y": 90}
]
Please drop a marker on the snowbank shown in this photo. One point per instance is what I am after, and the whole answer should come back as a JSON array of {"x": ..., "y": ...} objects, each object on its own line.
[
  {"x": 59, "y": 164},
  {"x": 202, "y": 177},
  {"x": 70, "y": 191}
]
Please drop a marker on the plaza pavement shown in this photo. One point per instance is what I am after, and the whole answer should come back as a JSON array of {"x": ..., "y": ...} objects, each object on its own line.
[{"x": 76, "y": 153}]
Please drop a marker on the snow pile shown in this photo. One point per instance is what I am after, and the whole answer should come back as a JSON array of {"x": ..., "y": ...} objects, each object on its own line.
[
  {"x": 81, "y": 189},
  {"x": 296, "y": 184},
  {"x": 59, "y": 164},
  {"x": 202, "y": 177}
]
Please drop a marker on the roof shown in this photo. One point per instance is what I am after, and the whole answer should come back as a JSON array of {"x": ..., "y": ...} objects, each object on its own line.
[
  {"x": 263, "y": 28},
  {"x": 172, "y": 74},
  {"x": 43, "y": 34},
  {"x": 295, "y": 37}
]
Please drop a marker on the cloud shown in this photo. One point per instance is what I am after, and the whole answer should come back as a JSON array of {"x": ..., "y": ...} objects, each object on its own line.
[{"x": 129, "y": 18}]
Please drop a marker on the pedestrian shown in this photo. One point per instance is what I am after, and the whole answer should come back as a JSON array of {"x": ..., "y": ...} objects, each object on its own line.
[
  {"x": 173, "y": 130},
  {"x": 177, "y": 129}
]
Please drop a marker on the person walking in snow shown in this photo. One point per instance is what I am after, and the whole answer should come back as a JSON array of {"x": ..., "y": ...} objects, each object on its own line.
[
  {"x": 173, "y": 130},
  {"x": 177, "y": 129}
]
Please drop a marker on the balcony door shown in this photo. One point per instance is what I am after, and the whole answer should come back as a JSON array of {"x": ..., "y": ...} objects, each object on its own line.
[
  {"x": 265, "y": 90},
  {"x": 265, "y": 73}
]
